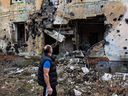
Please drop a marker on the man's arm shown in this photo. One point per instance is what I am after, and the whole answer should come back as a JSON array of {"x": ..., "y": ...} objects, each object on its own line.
[
  {"x": 46, "y": 76},
  {"x": 46, "y": 69}
]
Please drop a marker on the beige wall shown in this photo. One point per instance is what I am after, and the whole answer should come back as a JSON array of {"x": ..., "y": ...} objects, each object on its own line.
[
  {"x": 5, "y": 4},
  {"x": 38, "y": 4}
]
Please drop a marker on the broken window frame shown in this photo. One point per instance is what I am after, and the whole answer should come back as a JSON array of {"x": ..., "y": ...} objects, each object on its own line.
[
  {"x": 68, "y": 1},
  {"x": 17, "y": 33},
  {"x": 17, "y": 1},
  {"x": 22, "y": 1}
]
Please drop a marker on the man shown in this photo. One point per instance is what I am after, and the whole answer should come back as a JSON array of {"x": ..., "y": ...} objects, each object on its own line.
[{"x": 47, "y": 75}]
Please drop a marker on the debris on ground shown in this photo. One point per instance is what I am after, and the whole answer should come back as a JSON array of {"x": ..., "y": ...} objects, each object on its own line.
[
  {"x": 75, "y": 79},
  {"x": 18, "y": 77}
]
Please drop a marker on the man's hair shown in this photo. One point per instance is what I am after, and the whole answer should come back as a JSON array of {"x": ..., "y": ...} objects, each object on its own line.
[{"x": 47, "y": 49}]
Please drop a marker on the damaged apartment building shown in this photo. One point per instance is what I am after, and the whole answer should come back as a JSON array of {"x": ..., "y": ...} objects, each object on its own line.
[
  {"x": 13, "y": 17},
  {"x": 97, "y": 27}
]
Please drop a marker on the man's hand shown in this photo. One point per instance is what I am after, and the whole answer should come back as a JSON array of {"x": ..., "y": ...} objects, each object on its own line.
[{"x": 50, "y": 90}]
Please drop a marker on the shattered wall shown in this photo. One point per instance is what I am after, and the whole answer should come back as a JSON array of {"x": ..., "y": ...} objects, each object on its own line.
[
  {"x": 78, "y": 9},
  {"x": 38, "y": 24},
  {"x": 116, "y": 21},
  {"x": 12, "y": 12},
  {"x": 116, "y": 37},
  {"x": 54, "y": 16}
]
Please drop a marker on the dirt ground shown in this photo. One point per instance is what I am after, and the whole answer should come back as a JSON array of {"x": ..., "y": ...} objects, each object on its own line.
[{"x": 18, "y": 77}]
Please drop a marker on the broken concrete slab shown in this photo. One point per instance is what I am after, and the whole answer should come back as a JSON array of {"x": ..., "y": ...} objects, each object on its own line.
[
  {"x": 56, "y": 35},
  {"x": 81, "y": 84}
]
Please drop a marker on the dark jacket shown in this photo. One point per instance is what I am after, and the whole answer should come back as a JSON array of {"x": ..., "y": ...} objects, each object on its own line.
[{"x": 52, "y": 72}]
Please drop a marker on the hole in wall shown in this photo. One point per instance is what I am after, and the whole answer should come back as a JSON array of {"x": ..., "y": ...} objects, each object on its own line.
[
  {"x": 111, "y": 13},
  {"x": 107, "y": 43},
  {"x": 68, "y": 1},
  {"x": 126, "y": 52},
  {"x": 90, "y": 30},
  {"x": 126, "y": 20},
  {"x": 120, "y": 17},
  {"x": 115, "y": 19},
  {"x": 118, "y": 31},
  {"x": 72, "y": 14},
  {"x": 101, "y": 6},
  {"x": 124, "y": 48}
]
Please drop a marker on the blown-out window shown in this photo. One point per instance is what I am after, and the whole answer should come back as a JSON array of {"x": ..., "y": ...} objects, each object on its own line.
[
  {"x": 22, "y": 1},
  {"x": 68, "y": 1},
  {"x": 16, "y": 1}
]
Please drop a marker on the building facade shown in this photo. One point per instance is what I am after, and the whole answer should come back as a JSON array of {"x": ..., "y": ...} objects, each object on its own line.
[
  {"x": 75, "y": 24},
  {"x": 13, "y": 16},
  {"x": 93, "y": 21}
]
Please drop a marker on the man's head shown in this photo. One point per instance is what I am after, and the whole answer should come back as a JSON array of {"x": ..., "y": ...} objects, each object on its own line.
[{"x": 48, "y": 50}]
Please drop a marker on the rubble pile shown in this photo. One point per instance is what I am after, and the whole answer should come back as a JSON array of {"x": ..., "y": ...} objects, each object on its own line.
[
  {"x": 76, "y": 79},
  {"x": 18, "y": 77}
]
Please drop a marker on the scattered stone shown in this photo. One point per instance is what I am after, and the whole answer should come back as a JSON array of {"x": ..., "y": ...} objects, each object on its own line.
[
  {"x": 77, "y": 93},
  {"x": 78, "y": 80},
  {"x": 85, "y": 70},
  {"x": 106, "y": 77}
]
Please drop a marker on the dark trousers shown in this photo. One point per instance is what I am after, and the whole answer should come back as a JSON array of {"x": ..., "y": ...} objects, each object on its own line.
[{"x": 54, "y": 93}]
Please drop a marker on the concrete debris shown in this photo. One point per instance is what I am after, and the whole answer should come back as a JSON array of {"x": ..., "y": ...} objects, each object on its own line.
[
  {"x": 72, "y": 67},
  {"x": 77, "y": 93},
  {"x": 97, "y": 50},
  {"x": 31, "y": 81},
  {"x": 75, "y": 76},
  {"x": 89, "y": 81},
  {"x": 54, "y": 34},
  {"x": 28, "y": 55},
  {"x": 106, "y": 77},
  {"x": 33, "y": 75},
  {"x": 16, "y": 71},
  {"x": 85, "y": 70},
  {"x": 19, "y": 70},
  {"x": 114, "y": 94},
  {"x": 8, "y": 48},
  {"x": 18, "y": 80},
  {"x": 122, "y": 75},
  {"x": 3, "y": 45},
  {"x": 78, "y": 54}
]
